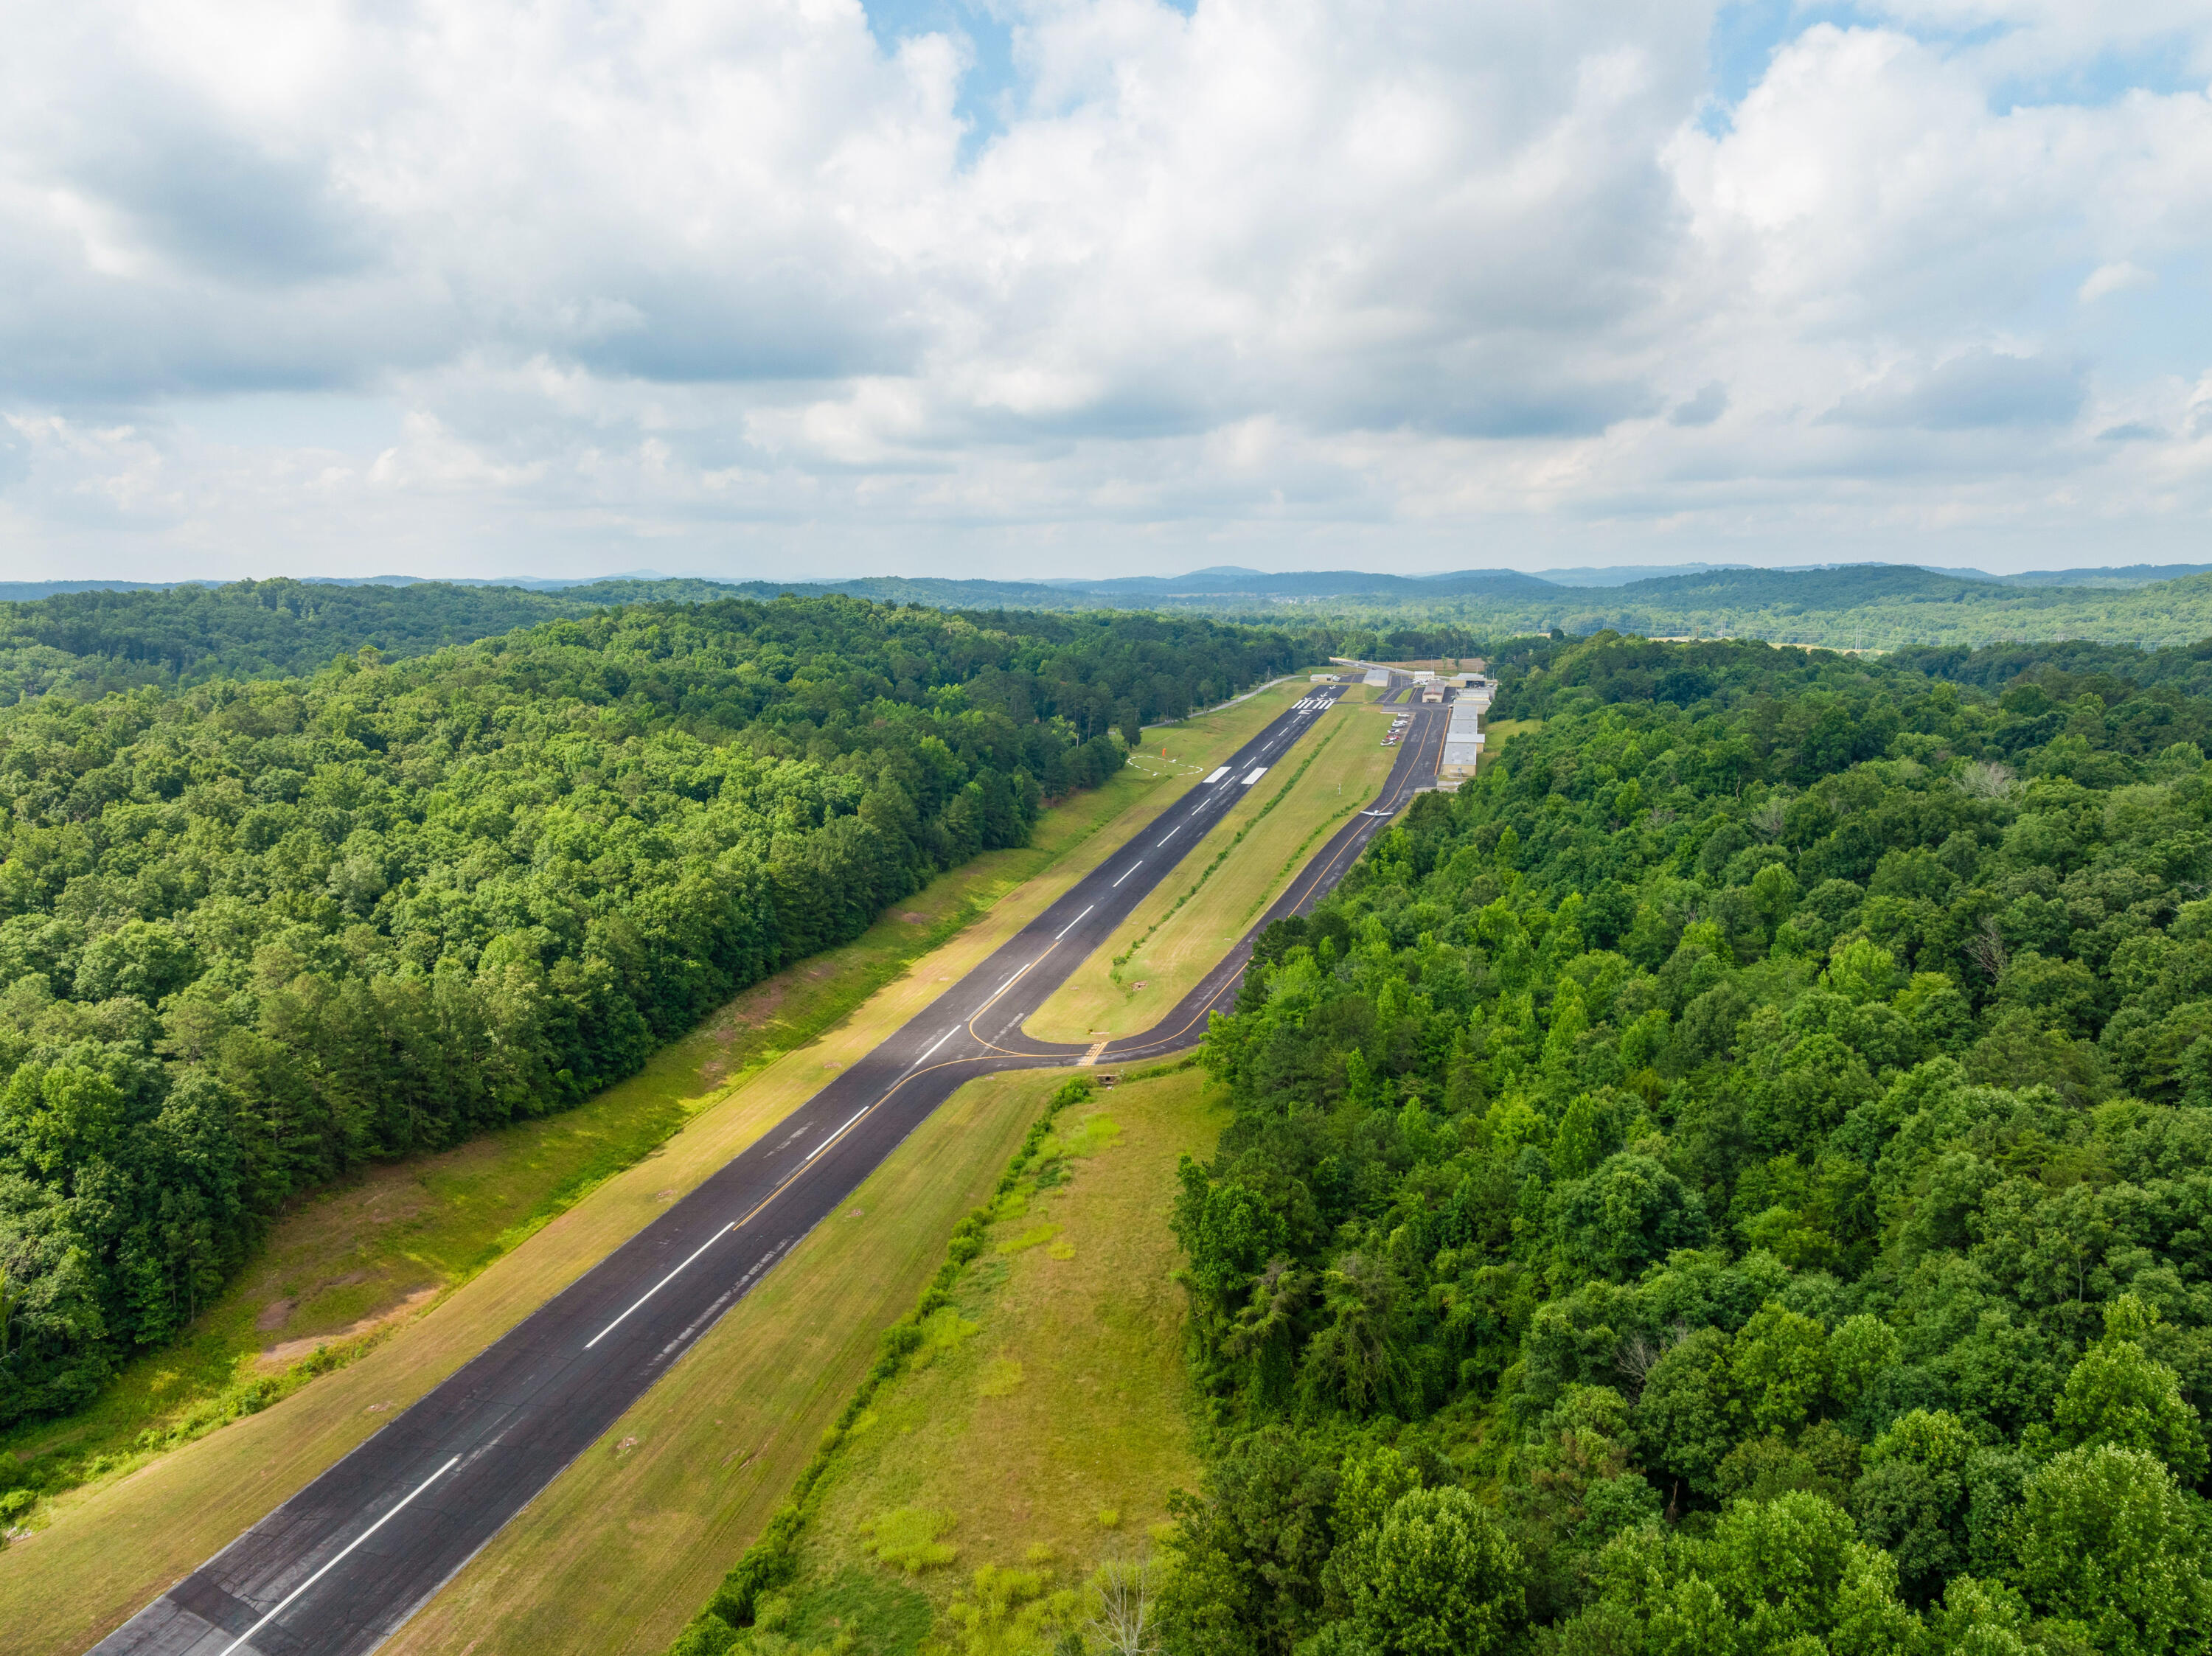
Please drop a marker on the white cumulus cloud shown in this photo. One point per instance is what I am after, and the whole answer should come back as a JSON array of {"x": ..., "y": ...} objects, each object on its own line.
[{"x": 483, "y": 287}]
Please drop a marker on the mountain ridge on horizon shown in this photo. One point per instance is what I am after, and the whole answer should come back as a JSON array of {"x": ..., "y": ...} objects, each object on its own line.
[{"x": 1227, "y": 582}]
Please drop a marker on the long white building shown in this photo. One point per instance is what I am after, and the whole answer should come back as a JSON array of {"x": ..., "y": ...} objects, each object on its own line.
[{"x": 1463, "y": 737}]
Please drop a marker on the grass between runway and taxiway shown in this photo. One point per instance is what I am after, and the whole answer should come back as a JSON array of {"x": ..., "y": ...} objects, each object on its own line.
[
  {"x": 1174, "y": 937},
  {"x": 462, "y": 1245},
  {"x": 1045, "y": 1430},
  {"x": 1047, "y": 1397}
]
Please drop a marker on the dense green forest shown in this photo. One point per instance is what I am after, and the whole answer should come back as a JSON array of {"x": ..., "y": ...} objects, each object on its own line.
[
  {"x": 1734, "y": 1179},
  {"x": 253, "y": 933},
  {"x": 96, "y": 643},
  {"x": 93, "y": 643},
  {"x": 1851, "y": 607}
]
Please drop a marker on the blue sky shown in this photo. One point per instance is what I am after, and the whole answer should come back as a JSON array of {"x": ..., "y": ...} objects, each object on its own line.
[
  {"x": 991, "y": 78},
  {"x": 1023, "y": 286}
]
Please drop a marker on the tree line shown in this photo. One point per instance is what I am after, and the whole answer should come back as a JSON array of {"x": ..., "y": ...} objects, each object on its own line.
[
  {"x": 92, "y": 644},
  {"x": 256, "y": 933},
  {"x": 1732, "y": 1179}
]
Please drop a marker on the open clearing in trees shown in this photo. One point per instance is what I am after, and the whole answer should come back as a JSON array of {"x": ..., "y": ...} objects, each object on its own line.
[{"x": 501, "y": 1217}]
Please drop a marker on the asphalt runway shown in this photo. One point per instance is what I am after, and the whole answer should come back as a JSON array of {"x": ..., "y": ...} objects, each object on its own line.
[{"x": 339, "y": 1568}]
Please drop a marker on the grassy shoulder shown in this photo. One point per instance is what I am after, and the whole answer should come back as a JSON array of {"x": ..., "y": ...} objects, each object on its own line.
[
  {"x": 1046, "y": 1431},
  {"x": 627, "y": 1543},
  {"x": 1036, "y": 1429},
  {"x": 402, "y": 1276},
  {"x": 1174, "y": 937}
]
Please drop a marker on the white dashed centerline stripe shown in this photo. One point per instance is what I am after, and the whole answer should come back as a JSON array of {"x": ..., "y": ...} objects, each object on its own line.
[
  {"x": 1077, "y": 920},
  {"x": 1169, "y": 835},
  {"x": 239, "y": 1642},
  {"x": 1126, "y": 873},
  {"x": 839, "y": 1134},
  {"x": 934, "y": 1046},
  {"x": 669, "y": 1278}
]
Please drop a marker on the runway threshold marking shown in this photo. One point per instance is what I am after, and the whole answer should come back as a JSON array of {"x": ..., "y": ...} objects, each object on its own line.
[
  {"x": 1256, "y": 776},
  {"x": 1313, "y": 877},
  {"x": 1218, "y": 774},
  {"x": 239, "y": 1642}
]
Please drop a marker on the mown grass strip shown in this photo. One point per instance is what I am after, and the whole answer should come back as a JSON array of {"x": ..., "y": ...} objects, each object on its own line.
[
  {"x": 1291, "y": 862},
  {"x": 1223, "y": 855},
  {"x": 773, "y": 1559}
]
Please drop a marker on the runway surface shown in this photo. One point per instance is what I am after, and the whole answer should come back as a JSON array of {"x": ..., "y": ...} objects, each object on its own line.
[{"x": 339, "y": 1568}]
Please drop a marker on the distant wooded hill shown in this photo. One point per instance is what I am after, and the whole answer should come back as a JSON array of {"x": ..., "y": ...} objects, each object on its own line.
[{"x": 113, "y": 636}]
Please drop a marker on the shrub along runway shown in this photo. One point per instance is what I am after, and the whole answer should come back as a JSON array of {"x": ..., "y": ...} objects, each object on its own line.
[{"x": 340, "y": 1566}]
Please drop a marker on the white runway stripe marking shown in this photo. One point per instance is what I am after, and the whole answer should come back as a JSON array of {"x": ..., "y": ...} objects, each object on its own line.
[
  {"x": 839, "y": 1134},
  {"x": 1256, "y": 776},
  {"x": 1077, "y": 920},
  {"x": 665, "y": 1281},
  {"x": 934, "y": 1046},
  {"x": 240, "y": 1640},
  {"x": 1169, "y": 835},
  {"x": 1218, "y": 774},
  {"x": 1126, "y": 873}
]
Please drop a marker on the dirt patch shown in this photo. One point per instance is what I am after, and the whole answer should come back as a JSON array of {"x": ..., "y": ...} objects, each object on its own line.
[
  {"x": 275, "y": 1314},
  {"x": 915, "y": 920},
  {"x": 290, "y": 1351},
  {"x": 351, "y": 1279},
  {"x": 752, "y": 1011},
  {"x": 389, "y": 1199}
]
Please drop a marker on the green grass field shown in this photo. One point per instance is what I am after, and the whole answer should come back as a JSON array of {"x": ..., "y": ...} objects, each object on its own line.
[
  {"x": 628, "y": 1542},
  {"x": 462, "y": 1245},
  {"x": 1497, "y": 733},
  {"x": 1161, "y": 950},
  {"x": 1042, "y": 1434}
]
